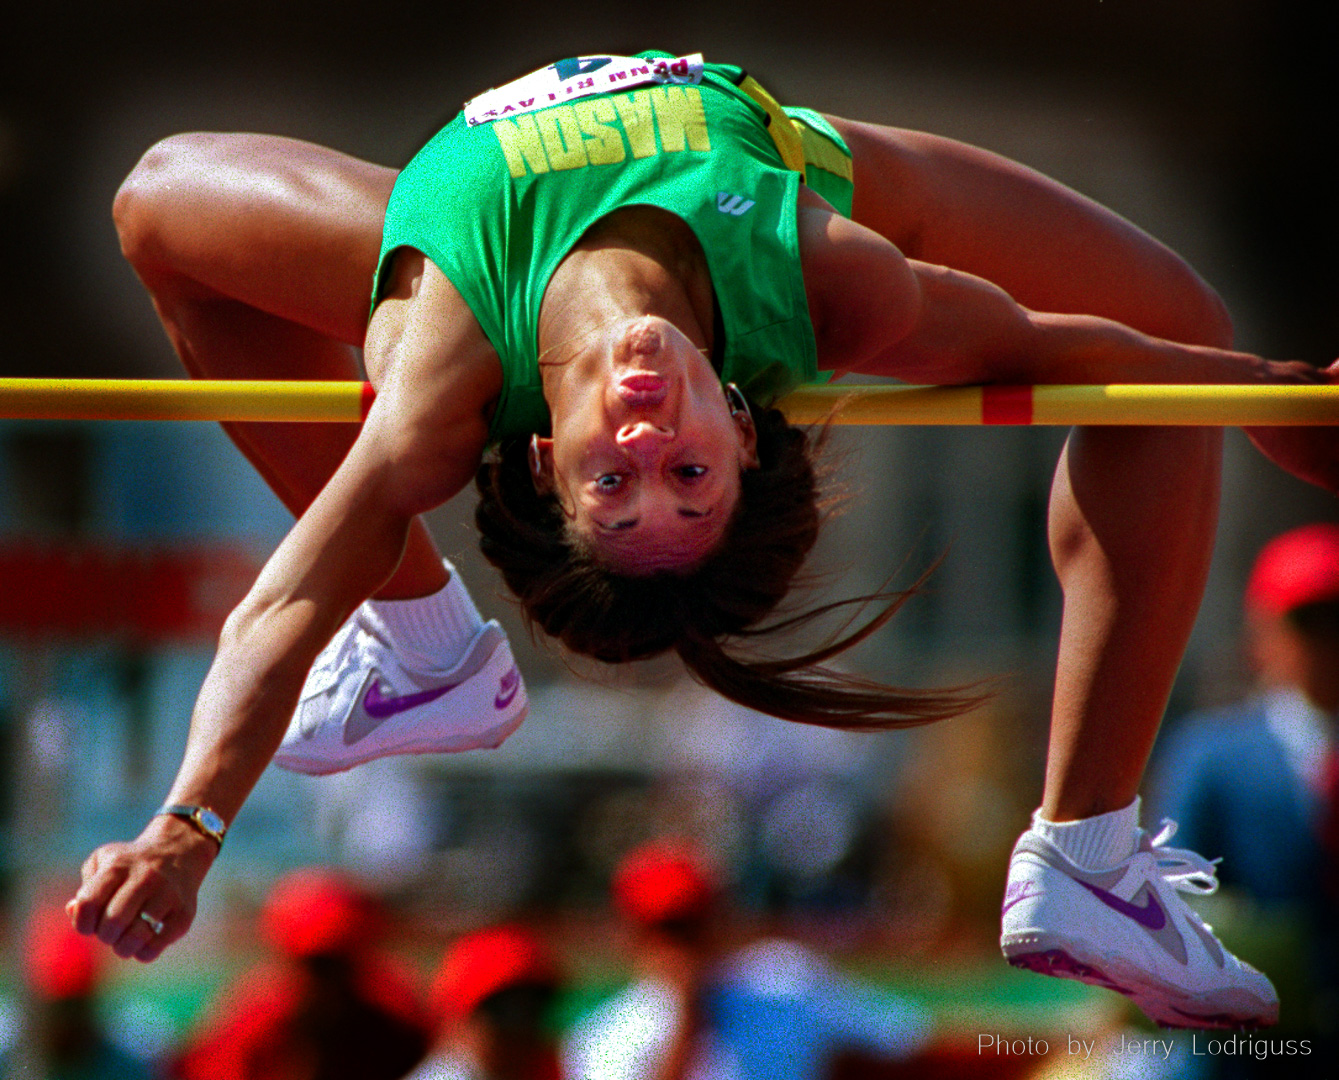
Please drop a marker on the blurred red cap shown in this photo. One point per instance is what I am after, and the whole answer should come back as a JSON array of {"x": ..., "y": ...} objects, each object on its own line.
[
  {"x": 313, "y": 912},
  {"x": 61, "y": 962},
  {"x": 480, "y": 964},
  {"x": 1297, "y": 568},
  {"x": 659, "y": 882}
]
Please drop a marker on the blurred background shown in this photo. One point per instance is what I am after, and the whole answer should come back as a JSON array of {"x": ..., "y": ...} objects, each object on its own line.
[{"x": 1207, "y": 123}]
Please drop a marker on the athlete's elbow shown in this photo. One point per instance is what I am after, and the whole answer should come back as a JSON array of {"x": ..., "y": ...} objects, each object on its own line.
[
  {"x": 266, "y": 647},
  {"x": 252, "y": 667},
  {"x": 240, "y": 629}
]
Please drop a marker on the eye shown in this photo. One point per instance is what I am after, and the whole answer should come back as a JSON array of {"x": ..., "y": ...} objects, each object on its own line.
[
  {"x": 608, "y": 482},
  {"x": 690, "y": 472}
]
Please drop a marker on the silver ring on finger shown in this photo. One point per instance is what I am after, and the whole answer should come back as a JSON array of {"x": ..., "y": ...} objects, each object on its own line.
[{"x": 156, "y": 925}]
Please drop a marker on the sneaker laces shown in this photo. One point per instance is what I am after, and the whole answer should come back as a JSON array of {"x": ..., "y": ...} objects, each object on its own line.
[
  {"x": 334, "y": 657},
  {"x": 1185, "y": 870},
  {"x": 335, "y": 654}
]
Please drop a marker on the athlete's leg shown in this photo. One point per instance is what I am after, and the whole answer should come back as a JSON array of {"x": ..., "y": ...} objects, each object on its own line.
[
  {"x": 1133, "y": 509},
  {"x": 1132, "y": 521},
  {"x": 259, "y": 253}
]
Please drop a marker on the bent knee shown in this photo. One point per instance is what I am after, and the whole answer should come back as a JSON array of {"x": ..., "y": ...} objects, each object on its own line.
[
  {"x": 140, "y": 196},
  {"x": 147, "y": 207},
  {"x": 1143, "y": 499}
]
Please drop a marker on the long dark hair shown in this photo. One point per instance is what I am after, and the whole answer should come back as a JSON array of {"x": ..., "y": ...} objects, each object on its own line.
[{"x": 597, "y": 612}]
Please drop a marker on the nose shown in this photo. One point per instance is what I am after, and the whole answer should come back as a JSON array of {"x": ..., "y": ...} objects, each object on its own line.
[
  {"x": 643, "y": 437},
  {"x": 642, "y": 337}
]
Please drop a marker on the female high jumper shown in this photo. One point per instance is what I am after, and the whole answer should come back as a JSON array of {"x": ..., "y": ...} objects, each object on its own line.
[{"x": 586, "y": 292}]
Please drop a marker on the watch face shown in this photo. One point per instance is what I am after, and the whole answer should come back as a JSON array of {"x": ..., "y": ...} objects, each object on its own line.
[{"x": 212, "y": 821}]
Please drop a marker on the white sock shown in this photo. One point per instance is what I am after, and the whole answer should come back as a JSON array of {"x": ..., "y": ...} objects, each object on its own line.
[
  {"x": 430, "y": 633},
  {"x": 1095, "y": 843}
]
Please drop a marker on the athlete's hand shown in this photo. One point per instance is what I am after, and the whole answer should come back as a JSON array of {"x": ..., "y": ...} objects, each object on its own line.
[
  {"x": 1311, "y": 453},
  {"x": 129, "y": 887},
  {"x": 1299, "y": 371}
]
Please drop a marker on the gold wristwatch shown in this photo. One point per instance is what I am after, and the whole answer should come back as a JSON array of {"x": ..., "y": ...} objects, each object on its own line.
[{"x": 204, "y": 820}]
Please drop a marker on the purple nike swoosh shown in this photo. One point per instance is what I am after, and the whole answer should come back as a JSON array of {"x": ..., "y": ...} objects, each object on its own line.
[
  {"x": 381, "y": 707},
  {"x": 1148, "y": 915},
  {"x": 507, "y": 688}
]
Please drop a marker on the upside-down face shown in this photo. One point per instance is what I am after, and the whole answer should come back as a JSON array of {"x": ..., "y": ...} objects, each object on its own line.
[{"x": 646, "y": 452}]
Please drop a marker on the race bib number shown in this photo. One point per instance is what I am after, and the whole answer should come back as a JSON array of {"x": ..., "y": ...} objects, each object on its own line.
[{"x": 579, "y": 77}]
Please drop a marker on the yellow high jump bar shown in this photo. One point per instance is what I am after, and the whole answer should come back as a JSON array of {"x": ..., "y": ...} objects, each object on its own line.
[
  {"x": 1117, "y": 404},
  {"x": 183, "y": 399},
  {"x": 1114, "y": 404}
]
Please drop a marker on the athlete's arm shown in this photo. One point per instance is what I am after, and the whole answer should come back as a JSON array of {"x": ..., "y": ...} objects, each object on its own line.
[
  {"x": 876, "y": 312},
  {"x": 421, "y": 444}
]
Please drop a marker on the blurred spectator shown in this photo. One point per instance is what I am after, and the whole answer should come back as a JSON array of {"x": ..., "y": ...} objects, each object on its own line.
[
  {"x": 1255, "y": 782},
  {"x": 494, "y": 995},
  {"x": 801, "y": 799},
  {"x": 380, "y": 820},
  {"x": 330, "y": 1006},
  {"x": 702, "y": 1007},
  {"x": 66, "y": 1039}
]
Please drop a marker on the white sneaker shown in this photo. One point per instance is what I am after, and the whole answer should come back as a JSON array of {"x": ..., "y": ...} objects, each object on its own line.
[
  {"x": 360, "y": 702},
  {"x": 1127, "y": 929}
]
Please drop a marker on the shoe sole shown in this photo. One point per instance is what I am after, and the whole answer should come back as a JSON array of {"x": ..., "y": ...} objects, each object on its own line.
[
  {"x": 1047, "y": 954},
  {"x": 328, "y": 766}
]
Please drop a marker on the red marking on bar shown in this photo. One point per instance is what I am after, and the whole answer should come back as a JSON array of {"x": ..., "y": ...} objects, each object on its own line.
[
  {"x": 365, "y": 404},
  {"x": 1006, "y": 404}
]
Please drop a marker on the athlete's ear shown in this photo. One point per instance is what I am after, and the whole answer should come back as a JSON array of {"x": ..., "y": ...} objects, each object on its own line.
[
  {"x": 742, "y": 415},
  {"x": 541, "y": 464},
  {"x": 748, "y": 443}
]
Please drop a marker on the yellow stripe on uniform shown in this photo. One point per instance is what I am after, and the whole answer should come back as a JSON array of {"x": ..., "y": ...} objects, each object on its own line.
[
  {"x": 822, "y": 153},
  {"x": 784, "y": 131}
]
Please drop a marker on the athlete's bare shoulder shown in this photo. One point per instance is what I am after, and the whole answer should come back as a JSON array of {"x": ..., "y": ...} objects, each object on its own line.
[
  {"x": 862, "y": 294},
  {"x": 423, "y": 331}
]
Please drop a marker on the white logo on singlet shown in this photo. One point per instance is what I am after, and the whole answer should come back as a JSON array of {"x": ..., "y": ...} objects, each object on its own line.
[{"x": 733, "y": 204}]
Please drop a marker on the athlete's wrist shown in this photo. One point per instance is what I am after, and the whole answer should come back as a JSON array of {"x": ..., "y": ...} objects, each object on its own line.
[
  {"x": 172, "y": 836},
  {"x": 203, "y": 819}
]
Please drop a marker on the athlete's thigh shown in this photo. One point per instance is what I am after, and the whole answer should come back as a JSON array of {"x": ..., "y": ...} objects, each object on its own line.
[
  {"x": 1052, "y": 249},
  {"x": 283, "y": 226}
]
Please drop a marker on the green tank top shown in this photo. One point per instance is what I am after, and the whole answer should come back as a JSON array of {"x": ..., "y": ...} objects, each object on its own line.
[{"x": 497, "y": 205}]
